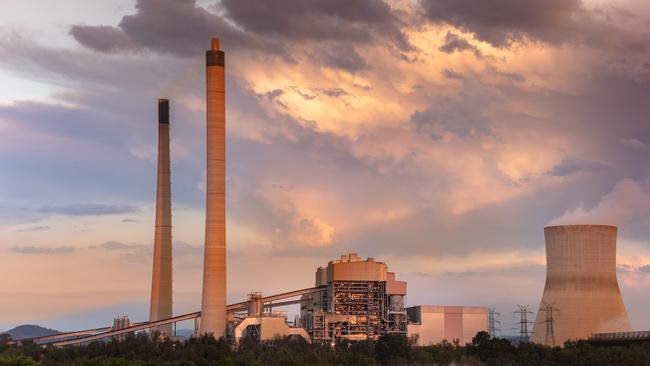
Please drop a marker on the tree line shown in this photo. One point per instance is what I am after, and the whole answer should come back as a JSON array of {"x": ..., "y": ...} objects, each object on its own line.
[{"x": 142, "y": 349}]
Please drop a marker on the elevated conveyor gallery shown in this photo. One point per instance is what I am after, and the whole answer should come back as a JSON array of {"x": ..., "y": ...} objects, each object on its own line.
[{"x": 90, "y": 335}]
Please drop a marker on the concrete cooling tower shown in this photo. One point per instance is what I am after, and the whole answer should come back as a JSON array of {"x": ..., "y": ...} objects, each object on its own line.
[
  {"x": 213, "y": 308},
  {"x": 161, "y": 281},
  {"x": 581, "y": 295}
]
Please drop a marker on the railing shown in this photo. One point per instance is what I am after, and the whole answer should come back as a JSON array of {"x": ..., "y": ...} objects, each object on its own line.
[{"x": 614, "y": 336}]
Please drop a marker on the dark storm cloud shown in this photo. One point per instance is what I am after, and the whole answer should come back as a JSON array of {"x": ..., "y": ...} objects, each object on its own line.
[
  {"x": 571, "y": 165},
  {"x": 501, "y": 21},
  {"x": 102, "y": 38},
  {"x": 177, "y": 27},
  {"x": 89, "y": 209},
  {"x": 334, "y": 92},
  {"x": 349, "y": 20},
  {"x": 181, "y": 27},
  {"x": 510, "y": 76},
  {"x": 451, "y": 74},
  {"x": 454, "y": 42},
  {"x": 340, "y": 56},
  {"x": 42, "y": 250}
]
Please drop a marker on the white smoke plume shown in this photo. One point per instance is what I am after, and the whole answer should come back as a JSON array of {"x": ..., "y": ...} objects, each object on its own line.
[{"x": 628, "y": 199}]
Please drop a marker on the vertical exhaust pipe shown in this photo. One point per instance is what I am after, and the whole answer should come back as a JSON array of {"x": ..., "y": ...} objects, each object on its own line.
[
  {"x": 161, "y": 282},
  {"x": 213, "y": 308}
]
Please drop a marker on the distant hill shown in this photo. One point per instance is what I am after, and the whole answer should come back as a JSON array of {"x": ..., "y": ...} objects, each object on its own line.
[{"x": 30, "y": 331}]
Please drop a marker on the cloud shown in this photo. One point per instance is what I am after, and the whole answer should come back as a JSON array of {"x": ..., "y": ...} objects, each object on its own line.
[
  {"x": 507, "y": 75},
  {"x": 340, "y": 56},
  {"x": 42, "y": 250},
  {"x": 454, "y": 42},
  {"x": 628, "y": 200},
  {"x": 645, "y": 269},
  {"x": 102, "y": 38},
  {"x": 464, "y": 115},
  {"x": 635, "y": 144},
  {"x": 181, "y": 249},
  {"x": 453, "y": 75},
  {"x": 116, "y": 245},
  {"x": 34, "y": 229},
  {"x": 315, "y": 232},
  {"x": 502, "y": 21},
  {"x": 162, "y": 26},
  {"x": 89, "y": 209},
  {"x": 129, "y": 220},
  {"x": 317, "y": 20},
  {"x": 571, "y": 165}
]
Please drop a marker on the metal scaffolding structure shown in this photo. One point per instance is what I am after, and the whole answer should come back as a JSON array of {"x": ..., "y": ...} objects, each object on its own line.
[{"x": 354, "y": 310}]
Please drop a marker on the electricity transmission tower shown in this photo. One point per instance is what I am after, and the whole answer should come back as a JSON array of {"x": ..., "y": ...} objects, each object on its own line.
[
  {"x": 523, "y": 321},
  {"x": 493, "y": 322},
  {"x": 549, "y": 310}
]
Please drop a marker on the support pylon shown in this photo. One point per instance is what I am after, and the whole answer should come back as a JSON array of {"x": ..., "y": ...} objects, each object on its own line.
[
  {"x": 493, "y": 322},
  {"x": 550, "y": 335},
  {"x": 523, "y": 322}
]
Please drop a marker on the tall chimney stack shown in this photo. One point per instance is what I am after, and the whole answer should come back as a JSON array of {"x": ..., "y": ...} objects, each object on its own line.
[
  {"x": 161, "y": 282},
  {"x": 213, "y": 308}
]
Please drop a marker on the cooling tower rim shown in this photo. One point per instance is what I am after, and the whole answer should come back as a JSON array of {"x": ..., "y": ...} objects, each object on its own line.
[{"x": 576, "y": 226}]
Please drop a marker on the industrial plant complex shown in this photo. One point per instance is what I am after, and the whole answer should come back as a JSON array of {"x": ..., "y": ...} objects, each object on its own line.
[{"x": 354, "y": 298}]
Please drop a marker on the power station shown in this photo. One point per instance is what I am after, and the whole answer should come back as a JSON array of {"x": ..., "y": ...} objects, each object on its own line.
[
  {"x": 353, "y": 298},
  {"x": 581, "y": 295},
  {"x": 360, "y": 300}
]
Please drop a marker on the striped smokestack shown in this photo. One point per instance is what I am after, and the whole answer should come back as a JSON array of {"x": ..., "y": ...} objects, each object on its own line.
[
  {"x": 213, "y": 308},
  {"x": 161, "y": 282}
]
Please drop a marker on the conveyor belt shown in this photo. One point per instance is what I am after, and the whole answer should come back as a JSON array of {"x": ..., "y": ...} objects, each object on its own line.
[{"x": 100, "y": 333}]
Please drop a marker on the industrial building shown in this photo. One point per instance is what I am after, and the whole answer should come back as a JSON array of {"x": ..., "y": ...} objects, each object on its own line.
[
  {"x": 581, "y": 295},
  {"x": 262, "y": 325},
  {"x": 360, "y": 300},
  {"x": 434, "y": 324},
  {"x": 122, "y": 322}
]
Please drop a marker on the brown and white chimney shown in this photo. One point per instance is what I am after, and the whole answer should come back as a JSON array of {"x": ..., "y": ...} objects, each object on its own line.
[
  {"x": 213, "y": 308},
  {"x": 161, "y": 282}
]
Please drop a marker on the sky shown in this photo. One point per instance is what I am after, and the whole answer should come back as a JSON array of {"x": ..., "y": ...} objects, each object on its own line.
[{"x": 439, "y": 136}]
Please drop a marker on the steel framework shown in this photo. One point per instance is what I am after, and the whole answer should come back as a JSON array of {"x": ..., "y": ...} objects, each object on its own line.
[{"x": 354, "y": 310}]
